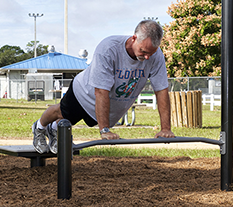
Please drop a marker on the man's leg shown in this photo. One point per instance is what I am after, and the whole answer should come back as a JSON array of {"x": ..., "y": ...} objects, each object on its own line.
[
  {"x": 42, "y": 128},
  {"x": 53, "y": 113}
]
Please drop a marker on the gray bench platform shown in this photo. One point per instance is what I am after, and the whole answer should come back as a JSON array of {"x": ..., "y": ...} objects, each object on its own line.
[{"x": 28, "y": 151}]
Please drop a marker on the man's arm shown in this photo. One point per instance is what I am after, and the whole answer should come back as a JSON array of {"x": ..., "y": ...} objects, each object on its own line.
[
  {"x": 102, "y": 107},
  {"x": 163, "y": 103}
]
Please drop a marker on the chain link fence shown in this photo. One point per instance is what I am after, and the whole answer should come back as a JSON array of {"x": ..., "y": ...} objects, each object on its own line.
[
  {"x": 34, "y": 88},
  {"x": 208, "y": 85},
  {"x": 46, "y": 87}
]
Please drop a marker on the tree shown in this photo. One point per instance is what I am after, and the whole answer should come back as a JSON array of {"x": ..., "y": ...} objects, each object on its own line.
[
  {"x": 40, "y": 49},
  {"x": 11, "y": 54},
  {"x": 192, "y": 42}
]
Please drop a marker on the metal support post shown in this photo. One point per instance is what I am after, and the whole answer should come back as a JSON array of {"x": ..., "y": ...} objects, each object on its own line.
[
  {"x": 226, "y": 88},
  {"x": 64, "y": 157},
  {"x": 37, "y": 161}
]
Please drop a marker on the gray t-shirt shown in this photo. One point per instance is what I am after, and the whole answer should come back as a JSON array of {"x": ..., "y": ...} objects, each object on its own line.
[{"x": 114, "y": 70}]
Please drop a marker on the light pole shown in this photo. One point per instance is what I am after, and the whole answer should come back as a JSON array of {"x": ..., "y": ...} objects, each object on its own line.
[
  {"x": 150, "y": 18},
  {"x": 66, "y": 28},
  {"x": 35, "y": 15}
]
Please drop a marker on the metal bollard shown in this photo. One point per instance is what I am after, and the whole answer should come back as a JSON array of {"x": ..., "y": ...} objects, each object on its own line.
[
  {"x": 64, "y": 185},
  {"x": 227, "y": 92}
]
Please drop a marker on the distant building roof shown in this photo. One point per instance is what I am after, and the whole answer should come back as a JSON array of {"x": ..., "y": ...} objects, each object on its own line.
[{"x": 51, "y": 62}]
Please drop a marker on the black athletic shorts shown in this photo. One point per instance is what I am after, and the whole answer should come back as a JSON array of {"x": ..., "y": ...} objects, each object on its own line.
[{"x": 72, "y": 110}]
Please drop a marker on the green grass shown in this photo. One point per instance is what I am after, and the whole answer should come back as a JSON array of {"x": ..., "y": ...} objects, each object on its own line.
[
  {"x": 16, "y": 119},
  {"x": 149, "y": 117},
  {"x": 140, "y": 152}
]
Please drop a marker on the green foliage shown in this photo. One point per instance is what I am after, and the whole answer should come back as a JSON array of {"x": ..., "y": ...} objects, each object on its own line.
[
  {"x": 192, "y": 42},
  {"x": 13, "y": 54},
  {"x": 40, "y": 49}
]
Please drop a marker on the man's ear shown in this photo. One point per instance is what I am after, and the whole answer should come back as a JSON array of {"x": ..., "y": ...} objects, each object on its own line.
[{"x": 134, "y": 37}]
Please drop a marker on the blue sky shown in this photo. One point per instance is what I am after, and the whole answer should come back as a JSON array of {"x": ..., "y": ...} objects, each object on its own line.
[{"x": 89, "y": 21}]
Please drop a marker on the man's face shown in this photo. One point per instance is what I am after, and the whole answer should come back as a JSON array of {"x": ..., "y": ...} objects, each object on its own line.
[{"x": 143, "y": 49}]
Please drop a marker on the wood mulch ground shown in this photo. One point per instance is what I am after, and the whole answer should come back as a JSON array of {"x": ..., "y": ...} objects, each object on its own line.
[{"x": 112, "y": 181}]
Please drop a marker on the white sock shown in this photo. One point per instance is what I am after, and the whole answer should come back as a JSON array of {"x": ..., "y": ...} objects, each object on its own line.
[
  {"x": 54, "y": 125},
  {"x": 39, "y": 126}
]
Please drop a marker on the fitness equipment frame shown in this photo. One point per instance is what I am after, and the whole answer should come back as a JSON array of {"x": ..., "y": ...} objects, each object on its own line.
[
  {"x": 225, "y": 142},
  {"x": 65, "y": 152}
]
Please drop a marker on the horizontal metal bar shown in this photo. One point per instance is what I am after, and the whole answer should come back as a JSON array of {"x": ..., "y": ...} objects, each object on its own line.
[{"x": 146, "y": 141}]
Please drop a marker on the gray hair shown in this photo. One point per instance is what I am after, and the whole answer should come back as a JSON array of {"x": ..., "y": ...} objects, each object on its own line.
[{"x": 149, "y": 28}]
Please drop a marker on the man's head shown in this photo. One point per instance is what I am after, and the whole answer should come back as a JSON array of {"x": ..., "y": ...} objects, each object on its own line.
[
  {"x": 151, "y": 29},
  {"x": 146, "y": 39}
]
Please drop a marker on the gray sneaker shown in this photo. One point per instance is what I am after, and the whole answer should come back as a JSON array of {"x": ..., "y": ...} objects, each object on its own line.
[
  {"x": 39, "y": 140},
  {"x": 52, "y": 135}
]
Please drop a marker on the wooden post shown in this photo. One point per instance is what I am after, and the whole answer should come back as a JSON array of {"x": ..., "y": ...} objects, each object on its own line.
[
  {"x": 184, "y": 109},
  {"x": 173, "y": 109},
  {"x": 194, "y": 108},
  {"x": 179, "y": 109},
  {"x": 200, "y": 109},
  {"x": 190, "y": 110}
]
